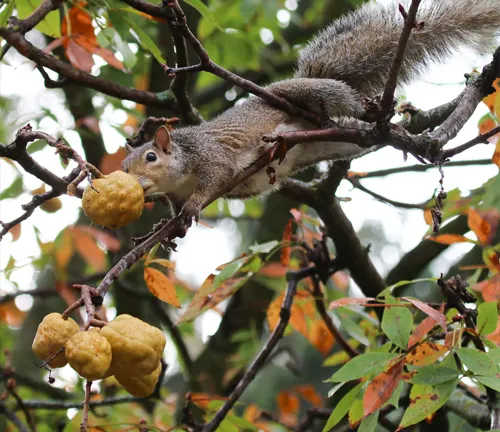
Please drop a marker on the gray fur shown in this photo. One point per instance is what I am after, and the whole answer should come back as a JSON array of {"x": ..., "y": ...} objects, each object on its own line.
[
  {"x": 350, "y": 58},
  {"x": 359, "y": 47}
]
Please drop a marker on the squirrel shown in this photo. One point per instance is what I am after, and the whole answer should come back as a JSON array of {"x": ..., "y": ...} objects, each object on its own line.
[{"x": 346, "y": 62}]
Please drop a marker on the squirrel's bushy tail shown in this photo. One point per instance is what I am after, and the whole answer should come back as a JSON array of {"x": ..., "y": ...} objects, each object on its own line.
[{"x": 359, "y": 48}]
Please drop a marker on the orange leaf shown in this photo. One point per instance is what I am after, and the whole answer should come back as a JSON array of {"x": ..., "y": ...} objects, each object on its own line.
[
  {"x": 347, "y": 301},
  {"x": 491, "y": 98},
  {"x": 11, "y": 315},
  {"x": 320, "y": 337},
  {"x": 15, "y": 231},
  {"x": 67, "y": 294},
  {"x": 88, "y": 249},
  {"x": 64, "y": 250},
  {"x": 495, "y": 336},
  {"x": 113, "y": 162},
  {"x": 287, "y": 250},
  {"x": 425, "y": 354},
  {"x": 273, "y": 269},
  {"x": 110, "y": 242},
  {"x": 486, "y": 125},
  {"x": 480, "y": 226},
  {"x": 449, "y": 239},
  {"x": 422, "y": 329},
  {"x": 428, "y": 217},
  {"x": 309, "y": 393},
  {"x": 203, "y": 399},
  {"x": 425, "y": 308},
  {"x": 490, "y": 288},
  {"x": 351, "y": 174},
  {"x": 381, "y": 388},
  {"x": 297, "y": 316},
  {"x": 496, "y": 155},
  {"x": 288, "y": 407},
  {"x": 161, "y": 286}
]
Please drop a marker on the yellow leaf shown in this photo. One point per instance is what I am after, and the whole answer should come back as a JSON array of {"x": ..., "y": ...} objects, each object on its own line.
[
  {"x": 161, "y": 286},
  {"x": 426, "y": 354}
]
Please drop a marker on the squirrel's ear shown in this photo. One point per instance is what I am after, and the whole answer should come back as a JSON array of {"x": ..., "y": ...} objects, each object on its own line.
[
  {"x": 162, "y": 140},
  {"x": 129, "y": 148}
]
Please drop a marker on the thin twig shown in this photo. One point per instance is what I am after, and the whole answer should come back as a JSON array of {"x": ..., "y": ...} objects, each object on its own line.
[
  {"x": 480, "y": 139},
  {"x": 12, "y": 417},
  {"x": 357, "y": 184},
  {"x": 86, "y": 403},
  {"x": 319, "y": 300},
  {"x": 261, "y": 358},
  {"x": 390, "y": 87}
]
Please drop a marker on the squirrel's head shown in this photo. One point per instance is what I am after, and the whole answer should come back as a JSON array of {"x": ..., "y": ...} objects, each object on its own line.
[{"x": 150, "y": 163}]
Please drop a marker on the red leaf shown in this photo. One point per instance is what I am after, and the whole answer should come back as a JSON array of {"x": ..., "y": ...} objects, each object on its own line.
[
  {"x": 349, "y": 301},
  {"x": 422, "y": 329},
  {"x": 425, "y": 308},
  {"x": 381, "y": 388}
]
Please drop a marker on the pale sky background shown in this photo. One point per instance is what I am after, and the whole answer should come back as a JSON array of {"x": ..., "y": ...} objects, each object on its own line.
[{"x": 197, "y": 257}]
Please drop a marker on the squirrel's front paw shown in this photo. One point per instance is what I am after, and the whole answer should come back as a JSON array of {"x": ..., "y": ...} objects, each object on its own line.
[{"x": 188, "y": 212}]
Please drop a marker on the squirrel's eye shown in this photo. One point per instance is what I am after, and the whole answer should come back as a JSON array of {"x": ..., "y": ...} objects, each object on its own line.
[{"x": 151, "y": 157}]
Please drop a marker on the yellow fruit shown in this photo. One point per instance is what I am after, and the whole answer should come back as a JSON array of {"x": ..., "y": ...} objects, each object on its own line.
[
  {"x": 52, "y": 205},
  {"x": 137, "y": 347},
  {"x": 52, "y": 334},
  {"x": 89, "y": 354},
  {"x": 114, "y": 200},
  {"x": 142, "y": 386}
]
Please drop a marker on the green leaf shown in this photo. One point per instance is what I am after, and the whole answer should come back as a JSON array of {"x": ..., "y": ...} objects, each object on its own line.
[
  {"x": 362, "y": 365},
  {"x": 491, "y": 382},
  {"x": 396, "y": 324},
  {"x": 50, "y": 25},
  {"x": 264, "y": 247},
  {"x": 425, "y": 400},
  {"x": 204, "y": 11},
  {"x": 494, "y": 354},
  {"x": 241, "y": 423},
  {"x": 369, "y": 423},
  {"x": 146, "y": 41},
  {"x": 14, "y": 190},
  {"x": 342, "y": 407},
  {"x": 434, "y": 374},
  {"x": 36, "y": 146},
  {"x": 391, "y": 288},
  {"x": 6, "y": 13},
  {"x": 487, "y": 318},
  {"x": 356, "y": 412},
  {"x": 228, "y": 271},
  {"x": 477, "y": 361}
]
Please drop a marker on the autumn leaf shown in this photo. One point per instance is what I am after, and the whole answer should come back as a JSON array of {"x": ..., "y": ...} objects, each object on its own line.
[
  {"x": 430, "y": 311},
  {"x": 320, "y": 337},
  {"x": 161, "y": 286},
  {"x": 88, "y": 249},
  {"x": 453, "y": 338},
  {"x": 66, "y": 293},
  {"x": 15, "y": 232},
  {"x": 381, "y": 388},
  {"x": 421, "y": 331},
  {"x": 287, "y": 250},
  {"x": 274, "y": 270},
  {"x": 64, "y": 250},
  {"x": 11, "y": 315},
  {"x": 110, "y": 242},
  {"x": 491, "y": 98},
  {"x": 300, "y": 309},
  {"x": 80, "y": 42},
  {"x": 450, "y": 239},
  {"x": 112, "y": 162},
  {"x": 495, "y": 336},
  {"x": 210, "y": 295},
  {"x": 348, "y": 301},
  {"x": 496, "y": 155},
  {"x": 480, "y": 226},
  {"x": 309, "y": 393},
  {"x": 288, "y": 407},
  {"x": 486, "y": 124},
  {"x": 425, "y": 354},
  {"x": 489, "y": 288}
]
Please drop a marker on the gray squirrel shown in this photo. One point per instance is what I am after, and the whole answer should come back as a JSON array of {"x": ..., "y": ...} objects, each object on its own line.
[{"x": 346, "y": 62}]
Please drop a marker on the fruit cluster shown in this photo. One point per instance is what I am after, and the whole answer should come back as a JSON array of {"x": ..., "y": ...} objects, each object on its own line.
[
  {"x": 127, "y": 348},
  {"x": 113, "y": 200}
]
